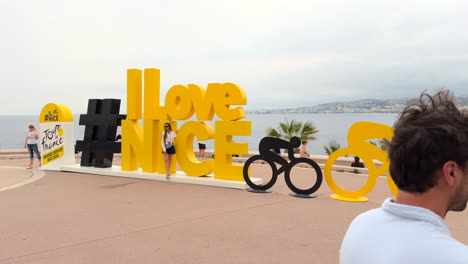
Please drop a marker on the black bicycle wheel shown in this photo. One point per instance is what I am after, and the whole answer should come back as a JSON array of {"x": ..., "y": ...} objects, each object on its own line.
[
  {"x": 318, "y": 172},
  {"x": 254, "y": 186}
]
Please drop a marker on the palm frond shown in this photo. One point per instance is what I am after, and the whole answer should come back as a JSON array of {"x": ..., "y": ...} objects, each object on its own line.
[
  {"x": 288, "y": 129},
  {"x": 284, "y": 129},
  {"x": 271, "y": 132},
  {"x": 332, "y": 146},
  {"x": 307, "y": 131},
  {"x": 384, "y": 144}
]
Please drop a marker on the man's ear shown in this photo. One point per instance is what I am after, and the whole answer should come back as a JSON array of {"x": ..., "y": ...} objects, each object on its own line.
[{"x": 448, "y": 172}]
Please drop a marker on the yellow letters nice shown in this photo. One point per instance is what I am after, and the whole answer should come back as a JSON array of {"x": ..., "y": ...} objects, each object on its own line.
[{"x": 141, "y": 141}]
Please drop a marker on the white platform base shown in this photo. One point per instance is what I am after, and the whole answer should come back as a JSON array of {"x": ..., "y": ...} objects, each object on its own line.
[{"x": 181, "y": 177}]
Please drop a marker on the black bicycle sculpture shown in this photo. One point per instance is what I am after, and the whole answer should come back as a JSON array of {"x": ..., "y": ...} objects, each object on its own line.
[{"x": 266, "y": 154}]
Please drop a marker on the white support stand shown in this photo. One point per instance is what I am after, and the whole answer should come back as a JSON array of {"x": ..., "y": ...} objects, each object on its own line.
[{"x": 179, "y": 177}]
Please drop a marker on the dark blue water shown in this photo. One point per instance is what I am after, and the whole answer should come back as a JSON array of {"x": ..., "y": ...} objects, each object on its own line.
[{"x": 330, "y": 126}]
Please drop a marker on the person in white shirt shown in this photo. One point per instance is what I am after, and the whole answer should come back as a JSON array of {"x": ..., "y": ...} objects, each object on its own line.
[
  {"x": 168, "y": 138},
  {"x": 31, "y": 144},
  {"x": 429, "y": 164},
  {"x": 304, "y": 152}
]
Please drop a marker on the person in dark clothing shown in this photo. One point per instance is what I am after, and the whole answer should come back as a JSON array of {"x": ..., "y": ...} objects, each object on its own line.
[{"x": 357, "y": 163}]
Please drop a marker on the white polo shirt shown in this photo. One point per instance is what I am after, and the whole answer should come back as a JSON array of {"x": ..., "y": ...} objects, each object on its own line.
[{"x": 397, "y": 233}]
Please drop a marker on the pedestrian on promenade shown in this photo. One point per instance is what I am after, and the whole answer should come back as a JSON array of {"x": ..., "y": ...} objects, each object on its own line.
[
  {"x": 31, "y": 144},
  {"x": 429, "y": 163},
  {"x": 168, "y": 138},
  {"x": 201, "y": 149},
  {"x": 304, "y": 152},
  {"x": 357, "y": 163}
]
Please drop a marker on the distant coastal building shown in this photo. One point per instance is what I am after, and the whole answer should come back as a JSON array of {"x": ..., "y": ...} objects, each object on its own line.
[{"x": 359, "y": 106}]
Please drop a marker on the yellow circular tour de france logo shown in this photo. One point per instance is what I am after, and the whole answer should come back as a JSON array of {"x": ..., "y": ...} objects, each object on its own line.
[{"x": 56, "y": 113}]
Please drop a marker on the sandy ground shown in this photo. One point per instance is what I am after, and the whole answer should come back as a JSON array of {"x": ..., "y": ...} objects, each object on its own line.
[{"x": 80, "y": 218}]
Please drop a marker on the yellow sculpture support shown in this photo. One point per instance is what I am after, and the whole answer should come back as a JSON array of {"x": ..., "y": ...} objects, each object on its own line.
[
  {"x": 225, "y": 148},
  {"x": 358, "y": 146},
  {"x": 185, "y": 152}
]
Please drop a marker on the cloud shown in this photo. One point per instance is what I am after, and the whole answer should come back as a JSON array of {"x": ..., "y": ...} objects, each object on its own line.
[{"x": 284, "y": 54}]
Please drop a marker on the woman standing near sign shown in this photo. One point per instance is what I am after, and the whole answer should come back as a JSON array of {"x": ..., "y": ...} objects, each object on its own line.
[
  {"x": 31, "y": 144},
  {"x": 168, "y": 138}
]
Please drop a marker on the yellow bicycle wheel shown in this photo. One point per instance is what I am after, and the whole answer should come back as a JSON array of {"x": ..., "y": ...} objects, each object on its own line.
[{"x": 342, "y": 192}]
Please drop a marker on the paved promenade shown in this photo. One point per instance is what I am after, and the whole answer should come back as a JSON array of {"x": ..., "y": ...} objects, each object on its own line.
[{"x": 78, "y": 218}]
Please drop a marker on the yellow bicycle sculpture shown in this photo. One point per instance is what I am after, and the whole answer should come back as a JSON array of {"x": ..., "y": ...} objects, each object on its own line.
[{"x": 358, "y": 146}]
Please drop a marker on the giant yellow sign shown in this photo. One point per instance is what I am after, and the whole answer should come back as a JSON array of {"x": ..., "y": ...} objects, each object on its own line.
[{"x": 141, "y": 145}]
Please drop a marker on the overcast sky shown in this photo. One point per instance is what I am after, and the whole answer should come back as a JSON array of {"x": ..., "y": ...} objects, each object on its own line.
[{"x": 283, "y": 53}]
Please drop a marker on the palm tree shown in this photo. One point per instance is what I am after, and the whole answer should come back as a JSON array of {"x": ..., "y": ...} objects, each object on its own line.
[
  {"x": 384, "y": 144},
  {"x": 286, "y": 130},
  {"x": 333, "y": 146}
]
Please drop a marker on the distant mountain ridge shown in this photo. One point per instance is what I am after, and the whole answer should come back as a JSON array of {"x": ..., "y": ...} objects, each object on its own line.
[{"x": 357, "y": 106}]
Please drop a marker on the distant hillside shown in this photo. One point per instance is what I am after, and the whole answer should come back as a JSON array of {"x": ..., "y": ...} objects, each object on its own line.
[{"x": 359, "y": 106}]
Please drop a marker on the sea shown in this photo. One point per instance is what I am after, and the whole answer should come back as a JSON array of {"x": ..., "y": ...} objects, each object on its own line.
[{"x": 331, "y": 126}]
